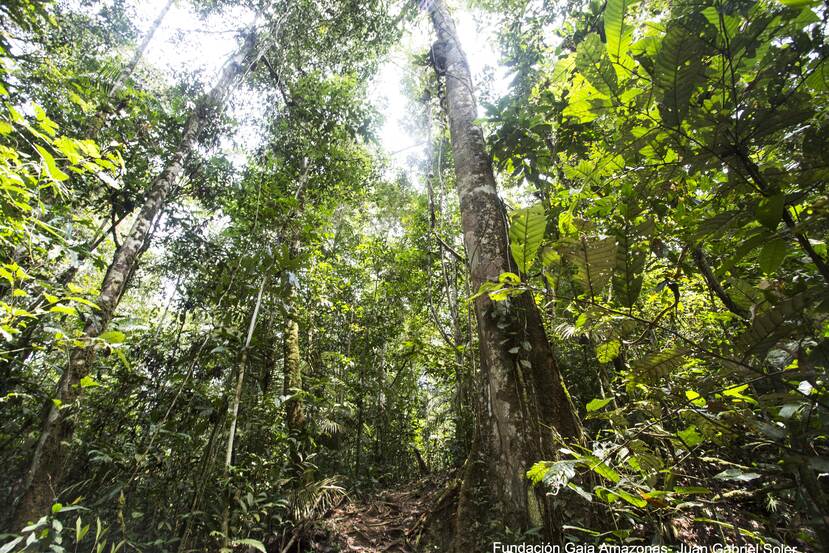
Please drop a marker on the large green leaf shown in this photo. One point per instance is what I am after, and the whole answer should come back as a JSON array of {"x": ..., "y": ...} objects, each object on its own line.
[
  {"x": 618, "y": 33},
  {"x": 594, "y": 261},
  {"x": 769, "y": 211},
  {"x": 799, "y": 3},
  {"x": 627, "y": 276},
  {"x": 51, "y": 167},
  {"x": 593, "y": 63},
  {"x": 608, "y": 351},
  {"x": 771, "y": 326},
  {"x": 772, "y": 255},
  {"x": 658, "y": 365},
  {"x": 677, "y": 73},
  {"x": 596, "y": 404},
  {"x": 526, "y": 232}
]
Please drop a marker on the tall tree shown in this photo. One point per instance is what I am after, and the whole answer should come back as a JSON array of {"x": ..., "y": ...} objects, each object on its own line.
[
  {"x": 41, "y": 482},
  {"x": 526, "y": 405}
]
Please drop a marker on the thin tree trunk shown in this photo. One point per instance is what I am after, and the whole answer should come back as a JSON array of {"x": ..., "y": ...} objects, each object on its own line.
[
  {"x": 526, "y": 403},
  {"x": 711, "y": 279},
  {"x": 41, "y": 483},
  {"x": 129, "y": 69},
  {"x": 237, "y": 399}
]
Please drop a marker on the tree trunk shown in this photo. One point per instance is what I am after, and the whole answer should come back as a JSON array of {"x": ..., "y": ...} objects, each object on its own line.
[
  {"x": 292, "y": 379},
  {"x": 294, "y": 412},
  {"x": 41, "y": 482},
  {"x": 127, "y": 72},
  {"x": 237, "y": 400},
  {"x": 526, "y": 403}
]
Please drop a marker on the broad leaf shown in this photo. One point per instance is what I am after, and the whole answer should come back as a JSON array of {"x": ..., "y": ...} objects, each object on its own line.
[
  {"x": 618, "y": 33},
  {"x": 526, "y": 232},
  {"x": 594, "y": 261},
  {"x": 678, "y": 71},
  {"x": 593, "y": 63},
  {"x": 658, "y": 365},
  {"x": 772, "y": 255},
  {"x": 596, "y": 404}
]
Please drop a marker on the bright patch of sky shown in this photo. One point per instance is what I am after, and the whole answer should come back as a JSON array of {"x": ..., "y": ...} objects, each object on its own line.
[
  {"x": 185, "y": 43},
  {"x": 477, "y": 36}
]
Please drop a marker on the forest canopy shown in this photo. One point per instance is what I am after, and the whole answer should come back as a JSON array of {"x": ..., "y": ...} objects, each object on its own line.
[{"x": 397, "y": 275}]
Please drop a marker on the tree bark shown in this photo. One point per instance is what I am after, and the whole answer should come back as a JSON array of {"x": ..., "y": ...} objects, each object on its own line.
[
  {"x": 41, "y": 482},
  {"x": 526, "y": 403},
  {"x": 292, "y": 377},
  {"x": 294, "y": 411}
]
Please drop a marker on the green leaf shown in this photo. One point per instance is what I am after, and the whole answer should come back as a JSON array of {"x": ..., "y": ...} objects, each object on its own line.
[
  {"x": 51, "y": 167},
  {"x": 658, "y": 365},
  {"x": 678, "y": 70},
  {"x": 256, "y": 544},
  {"x": 550, "y": 257},
  {"x": 772, "y": 255},
  {"x": 617, "y": 32},
  {"x": 596, "y": 404},
  {"x": 726, "y": 25},
  {"x": 67, "y": 147},
  {"x": 799, "y": 3},
  {"x": 56, "y": 508},
  {"x": 566, "y": 224},
  {"x": 594, "y": 261},
  {"x": 599, "y": 467},
  {"x": 736, "y": 394},
  {"x": 88, "y": 382},
  {"x": 627, "y": 275},
  {"x": 695, "y": 398},
  {"x": 526, "y": 232},
  {"x": 113, "y": 337},
  {"x": 690, "y": 436},
  {"x": 770, "y": 210},
  {"x": 537, "y": 472},
  {"x": 608, "y": 351},
  {"x": 630, "y": 498},
  {"x": 771, "y": 326},
  {"x": 594, "y": 65},
  {"x": 691, "y": 490}
]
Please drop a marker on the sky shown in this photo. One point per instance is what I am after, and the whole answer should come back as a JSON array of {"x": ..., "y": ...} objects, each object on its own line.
[{"x": 184, "y": 42}]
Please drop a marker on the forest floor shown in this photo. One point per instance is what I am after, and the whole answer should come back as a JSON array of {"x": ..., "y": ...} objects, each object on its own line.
[{"x": 389, "y": 521}]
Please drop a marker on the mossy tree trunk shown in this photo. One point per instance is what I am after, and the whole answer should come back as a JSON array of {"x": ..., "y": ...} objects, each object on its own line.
[{"x": 525, "y": 401}]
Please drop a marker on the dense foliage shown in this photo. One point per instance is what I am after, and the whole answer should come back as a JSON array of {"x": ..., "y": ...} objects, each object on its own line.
[{"x": 208, "y": 340}]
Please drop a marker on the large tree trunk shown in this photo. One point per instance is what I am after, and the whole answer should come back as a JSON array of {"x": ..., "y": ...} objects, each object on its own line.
[
  {"x": 41, "y": 483},
  {"x": 525, "y": 403}
]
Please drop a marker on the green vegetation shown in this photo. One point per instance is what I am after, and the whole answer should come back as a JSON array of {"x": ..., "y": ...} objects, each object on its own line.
[{"x": 594, "y": 310}]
